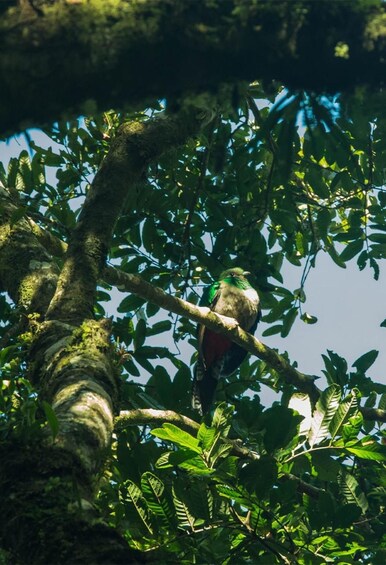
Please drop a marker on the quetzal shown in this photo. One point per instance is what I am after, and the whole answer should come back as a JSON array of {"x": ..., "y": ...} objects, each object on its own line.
[{"x": 233, "y": 296}]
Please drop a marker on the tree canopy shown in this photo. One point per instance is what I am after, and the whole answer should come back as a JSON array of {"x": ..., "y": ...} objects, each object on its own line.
[
  {"x": 103, "y": 459},
  {"x": 78, "y": 56}
]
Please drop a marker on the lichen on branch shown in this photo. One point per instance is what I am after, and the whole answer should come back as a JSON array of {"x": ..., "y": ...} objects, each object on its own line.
[{"x": 135, "y": 146}]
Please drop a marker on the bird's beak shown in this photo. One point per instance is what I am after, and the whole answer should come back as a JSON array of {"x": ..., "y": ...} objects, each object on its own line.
[{"x": 246, "y": 273}]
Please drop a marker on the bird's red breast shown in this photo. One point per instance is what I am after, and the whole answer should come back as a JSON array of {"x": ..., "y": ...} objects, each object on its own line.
[{"x": 214, "y": 346}]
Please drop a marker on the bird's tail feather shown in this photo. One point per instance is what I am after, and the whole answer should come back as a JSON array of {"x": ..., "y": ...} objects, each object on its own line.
[{"x": 204, "y": 387}]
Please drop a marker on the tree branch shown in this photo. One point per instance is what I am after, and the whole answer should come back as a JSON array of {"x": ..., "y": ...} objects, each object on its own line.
[
  {"x": 215, "y": 322},
  {"x": 150, "y": 417},
  {"x": 135, "y": 284},
  {"x": 228, "y": 327},
  {"x": 104, "y": 49},
  {"x": 27, "y": 272},
  {"x": 134, "y": 147}
]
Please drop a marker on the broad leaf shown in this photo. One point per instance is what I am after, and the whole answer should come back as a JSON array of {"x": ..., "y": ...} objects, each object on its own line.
[
  {"x": 346, "y": 409},
  {"x": 365, "y": 361},
  {"x": 172, "y": 433},
  {"x": 368, "y": 448},
  {"x": 154, "y": 491},
  {"x": 324, "y": 412},
  {"x": 352, "y": 491}
]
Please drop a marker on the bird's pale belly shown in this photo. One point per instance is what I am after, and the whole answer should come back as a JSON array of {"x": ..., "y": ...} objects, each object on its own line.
[{"x": 243, "y": 306}]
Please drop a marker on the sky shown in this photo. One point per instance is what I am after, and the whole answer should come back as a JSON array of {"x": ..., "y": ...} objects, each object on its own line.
[{"x": 349, "y": 304}]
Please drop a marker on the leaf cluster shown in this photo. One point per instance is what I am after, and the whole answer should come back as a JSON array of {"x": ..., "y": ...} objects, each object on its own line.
[{"x": 276, "y": 177}]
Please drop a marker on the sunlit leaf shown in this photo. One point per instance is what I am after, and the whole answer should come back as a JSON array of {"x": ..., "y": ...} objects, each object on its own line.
[
  {"x": 351, "y": 490},
  {"x": 368, "y": 449},
  {"x": 324, "y": 412},
  {"x": 172, "y": 433},
  {"x": 345, "y": 409}
]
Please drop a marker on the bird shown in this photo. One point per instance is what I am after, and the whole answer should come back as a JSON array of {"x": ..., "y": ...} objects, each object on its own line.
[{"x": 231, "y": 295}]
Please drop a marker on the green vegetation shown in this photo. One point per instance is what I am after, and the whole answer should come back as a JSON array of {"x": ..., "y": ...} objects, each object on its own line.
[
  {"x": 102, "y": 458},
  {"x": 265, "y": 183}
]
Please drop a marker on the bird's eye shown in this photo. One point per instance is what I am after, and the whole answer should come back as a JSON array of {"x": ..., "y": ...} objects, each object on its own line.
[{"x": 233, "y": 274}]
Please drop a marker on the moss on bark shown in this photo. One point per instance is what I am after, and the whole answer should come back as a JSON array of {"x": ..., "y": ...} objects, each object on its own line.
[{"x": 73, "y": 57}]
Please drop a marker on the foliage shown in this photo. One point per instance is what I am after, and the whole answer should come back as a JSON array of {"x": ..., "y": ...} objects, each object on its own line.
[{"x": 275, "y": 176}]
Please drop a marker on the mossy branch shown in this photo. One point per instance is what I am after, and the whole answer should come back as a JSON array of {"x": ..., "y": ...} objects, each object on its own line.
[
  {"x": 136, "y": 285},
  {"x": 151, "y": 417},
  {"x": 119, "y": 53},
  {"x": 134, "y": 147},
  {"x": 226, "y": 326},
  {"x": 215, "y": 322}
]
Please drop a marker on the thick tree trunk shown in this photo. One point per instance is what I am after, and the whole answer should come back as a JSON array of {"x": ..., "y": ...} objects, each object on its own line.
[
  {"x": 47, "y": 484},
  {"x": 66, "y": 58}
]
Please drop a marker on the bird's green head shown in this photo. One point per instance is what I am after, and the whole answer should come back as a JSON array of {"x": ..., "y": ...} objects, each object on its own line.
[{"x": 236, "y": 276}]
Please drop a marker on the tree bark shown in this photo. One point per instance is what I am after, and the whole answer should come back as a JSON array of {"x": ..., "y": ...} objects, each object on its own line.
[
  {"x": 54, "y": 476},
  {"x": 62, "y": 59}
]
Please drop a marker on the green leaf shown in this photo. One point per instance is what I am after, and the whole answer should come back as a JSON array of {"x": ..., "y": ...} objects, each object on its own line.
[
  {"x": 382, "y": 402},
  {"x": 231, "y": 493},
  {"x": 336, "y": 368},
  {"x": 352, "y": 427},
  {"x": 195, "y": 466},
  {"x": 185, "y": 459},
  {"x": 280, "y": 425},
  {"x": 184, "y": 514},
  {"x": 206, "y": 437},
  {"x": 149, "y": 234},
  {"x": 219, "y": 450},
  {"x": 326, "y": 467},
  {"x": 172, "y": 433},
  {"x": 222, "y": 418},
  {"x": 227, "y": 468},
  {"x": 346, "y": 516},
  {"x": 378, "y": 237},
  {"x": 352, "y": 249},
  {"x": 371, "y": 399},
  {"x": 272, "y": 330},
  {"x": 317, "y": 183},
  {"x": 308, "y": 319},
  {"x": 346, "y": 409},
  {"x": 259, "y": 476},
  {"x": 300, "y": 402},
  {"x": 288, "y": 321},
  {"x": 159, "y": 327},
  {"x": 133, "y": 495},
  {"x": 52, "y": 159},
  {"x": 335, "y": 257},
  {"x": 324, "y": 412},
  {"x": 323, "y": 222},
  {"x": 198, "y": 498},
  {"x": 365, "y": 361},
  {"x": 368, "y": 448},
  {"x": 154, "y": 491},
  {"x": 51, "y": 418},
  {"x": 130, "y": 303},
  {"x": 140, "y": 334},
  {"x": 351, "y": 491}
]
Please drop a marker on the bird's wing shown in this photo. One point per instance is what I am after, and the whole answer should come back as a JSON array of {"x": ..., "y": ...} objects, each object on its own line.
[
  {"x": 236, "y": 354},
  {"x": 210, "y": 295},
  {"x": 252, "y": 329},
  {"x": 209, "y": 299}
]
